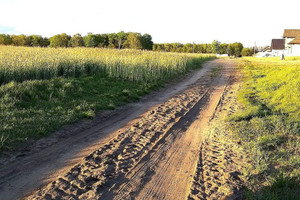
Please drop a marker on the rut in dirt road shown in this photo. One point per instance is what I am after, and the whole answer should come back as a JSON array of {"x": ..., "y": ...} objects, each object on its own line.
[
  {"x": 155, "y": 156},
  {"x": 173, "y": 174},
  {"x": 220, "y": 162}
]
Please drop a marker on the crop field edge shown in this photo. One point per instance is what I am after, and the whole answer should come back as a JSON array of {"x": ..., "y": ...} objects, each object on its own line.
[{"x": 36, "y": 108}]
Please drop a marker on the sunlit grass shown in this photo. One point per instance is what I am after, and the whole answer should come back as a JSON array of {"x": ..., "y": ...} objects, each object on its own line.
[{"x": 269, "y": 126}]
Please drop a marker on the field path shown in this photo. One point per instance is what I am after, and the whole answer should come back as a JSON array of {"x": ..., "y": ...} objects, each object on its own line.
[
  {"x": 174, "y": 159},
  {"x": 145, "y": 150}
]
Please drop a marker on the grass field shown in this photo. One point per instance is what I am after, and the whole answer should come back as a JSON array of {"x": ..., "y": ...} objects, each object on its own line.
[
  {"x": 42, "y": 89},
  {"x": 269, "y": 127}
]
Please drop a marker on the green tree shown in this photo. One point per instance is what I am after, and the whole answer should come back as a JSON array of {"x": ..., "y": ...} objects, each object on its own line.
[
  {"x": 168, "y": 47},
  {"x": 188, "y": 48},
  {"x": 235, "y": 49},
  {"x": 147, "y": 42},
  {"x": 207, "y": 48},
  {"x": 247, "y": 52},
  {"x": 54, "y": 41},
  {"x": 177, "y": 47},
  {"x": 121, "y": 38},
  {"x": 223, "y": 48},
  {"x": 28, "y": 41},
  {"x": 90, "y": 40},
  {"x": 36, "y": 41},
  {"x": 215, "y": 46},
  {"x": 61, "y": 40},
  {"x": 113, "y": 41},
  {"x": 155, "y": 47},
  {"x": 102, "y": 40},
  {"x": 5, "y": 39},
  {"x": 200, "y": 48},
  {"x": 18, "y": 40},
  {"x": 134, "y": 41},
  {"x": 45, "y": 42},
  {"x": 77, "y": 41}
]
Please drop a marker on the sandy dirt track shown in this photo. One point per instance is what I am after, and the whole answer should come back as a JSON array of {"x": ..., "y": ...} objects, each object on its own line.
[
  {"x": 221, "y": 159},
  {"x": 145, "y": 150}
]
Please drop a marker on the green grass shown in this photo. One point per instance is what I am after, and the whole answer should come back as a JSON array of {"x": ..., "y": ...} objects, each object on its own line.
[
  {"x": 282, "y": 188},
  {"x": 32, "y": 109},
  {"x": 269, "y": 127}
]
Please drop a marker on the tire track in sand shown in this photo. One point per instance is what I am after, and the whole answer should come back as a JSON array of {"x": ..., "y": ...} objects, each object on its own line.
[
  {"x": 165, "y": 141},
  {"x": 174, "y": 175},
  {"x": 220, "y": 160}
]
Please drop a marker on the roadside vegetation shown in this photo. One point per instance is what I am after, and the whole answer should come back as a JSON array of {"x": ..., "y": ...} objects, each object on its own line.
[
  {"x": 268, "y": 127},
  {"x": 42, "y": 89}
]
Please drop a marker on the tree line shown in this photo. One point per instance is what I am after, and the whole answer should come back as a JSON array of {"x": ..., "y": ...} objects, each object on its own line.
[
  {"x": 24, "y": 40},
  {"x": 118, "y": 40},
  {"x": 123, "y": 40},
  {"x": 233, "y": 49}
]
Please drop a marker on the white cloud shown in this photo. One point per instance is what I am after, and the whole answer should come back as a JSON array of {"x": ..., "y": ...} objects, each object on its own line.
[{"x": 166, "y": 20}]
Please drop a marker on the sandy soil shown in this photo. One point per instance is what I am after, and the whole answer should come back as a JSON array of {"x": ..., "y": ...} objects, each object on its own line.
[
  {"x": 162, "y": 147},
  {"x": 221, "y": 159}
]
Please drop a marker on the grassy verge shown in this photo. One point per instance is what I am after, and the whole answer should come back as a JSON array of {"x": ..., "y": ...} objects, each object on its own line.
[
  {"x": 268, "y": 127},
  {"x": 34, "y": 108}
]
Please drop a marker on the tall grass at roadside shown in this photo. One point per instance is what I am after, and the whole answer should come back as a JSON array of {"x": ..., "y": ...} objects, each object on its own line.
[
  {"x": 42, "y": 89},
  {"x": 269, "y": 127}
]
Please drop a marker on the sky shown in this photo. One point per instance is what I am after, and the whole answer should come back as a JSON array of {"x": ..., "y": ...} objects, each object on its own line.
[{"x": 185, "y": 21}]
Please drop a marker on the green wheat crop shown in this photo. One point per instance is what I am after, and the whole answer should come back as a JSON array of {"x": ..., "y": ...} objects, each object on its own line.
[{"x": 26, "y": 63}]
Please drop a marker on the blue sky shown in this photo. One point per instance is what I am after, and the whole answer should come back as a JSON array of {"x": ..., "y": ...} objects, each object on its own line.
[
  {"x": 7, "y": 30},
  {"x": 200, "y": 21}
]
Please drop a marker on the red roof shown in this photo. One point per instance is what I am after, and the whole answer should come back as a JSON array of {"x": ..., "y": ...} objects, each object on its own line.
[
  {"x": 291, "y": 33},
  {"x": 278, "y": 44},
  {"x": 295, "y": 41}
]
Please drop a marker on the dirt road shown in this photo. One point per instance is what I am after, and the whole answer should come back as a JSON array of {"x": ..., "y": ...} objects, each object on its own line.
[{"x": 145, "y": 150}]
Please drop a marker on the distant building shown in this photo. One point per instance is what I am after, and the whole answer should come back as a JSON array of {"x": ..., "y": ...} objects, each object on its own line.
[
  {"x": 278, "y": 47},
  {"x": 289, "y": 45},
  {"x": 292, "y": 42}
]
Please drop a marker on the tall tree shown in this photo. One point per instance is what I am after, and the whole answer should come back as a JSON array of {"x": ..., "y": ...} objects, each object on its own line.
[
  {"x": 45, "y": 42},
  {"x": 61, "y": 40},
  {"x": 102, "y": 40},
  {"x": 223, "y": 48},
  {"x": 18, "y": 40},
  {"x": 77, "y": 41},
  {"x": 113, "y": 41},
  {"x": 5, "y": 39},
  {"x": 188, "y": 48},
  {"x": 121, "y": 38},
  {"x": 36, "y": 40},
  {"x": 147, "y": 42},
  {"x": 235, "y": 49},
  {"x": 90, "y": 40},
  {"x": 134, "y": 41},
  {"x": 215, "y": 46}
]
